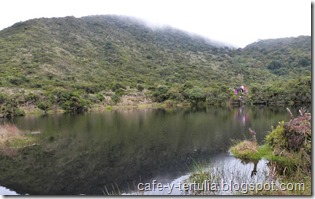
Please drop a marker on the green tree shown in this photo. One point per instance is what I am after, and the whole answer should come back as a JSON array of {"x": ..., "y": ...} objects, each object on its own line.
[
  {"x": 161, "y": 93},
  {"x": 44, "y": 105},
  {"x": 196, "y": 94},
  {"x": 10, "y": 109},
  {"x": 74, "y": 103}
]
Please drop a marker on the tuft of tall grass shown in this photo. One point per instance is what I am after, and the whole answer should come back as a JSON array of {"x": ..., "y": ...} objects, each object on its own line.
[
  {"x": 12, "y": 138},
  {"x": 8, "y": 130},
  {"x": 247, "y": 150}
]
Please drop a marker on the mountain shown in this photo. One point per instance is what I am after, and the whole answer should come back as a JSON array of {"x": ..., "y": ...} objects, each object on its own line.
[
  {"x": 53, "y": 51},
  {"x": 282, "y": 56},
  {"x": 97, "y": 53}
]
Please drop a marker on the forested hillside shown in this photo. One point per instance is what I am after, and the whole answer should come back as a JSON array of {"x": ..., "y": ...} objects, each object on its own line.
[{"x": 75, "y": 62}]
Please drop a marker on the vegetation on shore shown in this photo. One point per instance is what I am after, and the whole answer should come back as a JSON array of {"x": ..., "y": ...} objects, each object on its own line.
[
  {"x": 75, "y": 63},
  {"x": 287, "y": 148}
]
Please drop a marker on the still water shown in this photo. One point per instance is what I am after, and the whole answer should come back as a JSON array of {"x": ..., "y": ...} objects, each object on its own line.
[{"x": 96, "y": 153}]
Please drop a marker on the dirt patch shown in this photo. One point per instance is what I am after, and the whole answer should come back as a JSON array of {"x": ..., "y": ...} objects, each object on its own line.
[{"x": 134, "y": 100}]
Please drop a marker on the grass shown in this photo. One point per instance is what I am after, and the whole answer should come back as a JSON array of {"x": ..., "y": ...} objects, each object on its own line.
[
  {"x": 21, "y": 141},
  {"x": 250, "y": 150},
  {"x": 8, "y": 130},
  {"x": 247, "y": 150},
  {"x": 12, "y": 138},
  {"x": 289, "y": 158}
]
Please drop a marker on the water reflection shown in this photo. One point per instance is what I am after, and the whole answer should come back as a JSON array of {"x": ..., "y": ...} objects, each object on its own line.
[
  {"x": 235, "y": 172},
  {"x": 81, "y": 154}
]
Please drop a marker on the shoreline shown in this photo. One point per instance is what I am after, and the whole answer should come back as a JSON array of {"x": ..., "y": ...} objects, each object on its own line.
[
  {"x": 105, "y": 108},
  {"x": 34, "y": 110}
]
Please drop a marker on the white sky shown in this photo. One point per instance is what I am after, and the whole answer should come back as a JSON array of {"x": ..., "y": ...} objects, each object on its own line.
[{"x": 237, "y": 22}]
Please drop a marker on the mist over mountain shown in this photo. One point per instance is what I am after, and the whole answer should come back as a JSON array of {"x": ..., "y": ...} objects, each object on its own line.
[{"x": 94, "y": 53}]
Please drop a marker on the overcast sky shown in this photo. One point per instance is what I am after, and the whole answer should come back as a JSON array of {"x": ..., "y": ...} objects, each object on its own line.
[{"x": 231, "y": 21}]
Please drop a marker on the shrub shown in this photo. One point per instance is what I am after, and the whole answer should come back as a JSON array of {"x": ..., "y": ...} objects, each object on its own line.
[
  {"x": 140, "y": 87},
  {"x": 120, "y": 92},
  {"x": 100, "y": 97},
  {"x": 298, "y": 132},
  {"x": 276, "y": 137},
  {"x": 115, "y": 98},
  {"x": 161, "y": 93},
  {"x": 73, "y": 103},
  {"x": 3, "y": 98},
  {"x": 117, "y": 86},
  {"x": 10, "y": 109},
  {"x": 44, "y": 105},
  {"x": 196, "y": 94}
]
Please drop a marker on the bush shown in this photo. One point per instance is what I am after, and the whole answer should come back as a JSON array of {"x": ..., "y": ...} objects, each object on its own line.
[
  {"x": 175, "y": 93},
  {"x": 73, "y": 103},
  {"x": 115, "y": 98},
  {"x": 140, "y": 87},
  {"x": 276, "y": 137},
  {"x": 3, "y": 98},
  {"x": 196, "y": 94},
  {"x": 161, "y": 93},
  {"x": 100, "y": 97},
  {"x": 298, "y": 132},
  {"x": 117, "y": 86},
  {"x": 44, "y": 105},
  {"x": 32, "y": 98},
  {"x": 10, "y": 109},
  {"x": 120, "y": 92},
  {"x": 275, "y": 64}
]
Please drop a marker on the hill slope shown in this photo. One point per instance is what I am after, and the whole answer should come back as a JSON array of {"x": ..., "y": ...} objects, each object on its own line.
[
  {"x": 99, "y": 53},
  {"x": 91, "y": 48}
]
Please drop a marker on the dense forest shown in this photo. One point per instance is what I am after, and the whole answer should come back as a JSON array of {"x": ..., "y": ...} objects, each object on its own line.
[{"x": 72, "y": 63}]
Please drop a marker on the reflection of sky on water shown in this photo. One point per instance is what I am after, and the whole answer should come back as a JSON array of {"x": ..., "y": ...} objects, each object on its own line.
[
  {"x": 234, "y": 170},
  {"x": 5, "y": 191},
  {"x": 152, "y": 144}
]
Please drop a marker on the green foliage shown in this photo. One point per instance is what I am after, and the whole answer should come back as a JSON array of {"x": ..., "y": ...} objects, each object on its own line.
[
  {"x": 161, "y": 93},
  {"x": 246, "y": 150},
  {"x": 276, "y": 137},
  {"x": 140, "y": 87},
  {"x": 10, "y": 109},
  {"x": 176, "y": 93},
  {"x": 17, "y": 80},
  {"x": 104, "y": 56},
  {"x": 73, "y": 103},
  {"x": 44, "y": 105},
  {"x": 296, "y": 90},
  {"x": 196, "y": 95},
  {"x": 120, "y": 92},
  {"x": 32, "y": 98},
  {"x": 100, "y": 97},
  {"x": 117, "y": 86},
  {"x": 116, "y": 98},
  {"x": 3, "y": 98},
  {"x": 275, "y": 64}
]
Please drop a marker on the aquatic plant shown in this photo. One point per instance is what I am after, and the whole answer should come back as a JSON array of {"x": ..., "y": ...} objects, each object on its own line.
[
  {"x": 8, "y": 130},
  {"x": 245, "y": 149},
  {"x": 288, "y": 149}
]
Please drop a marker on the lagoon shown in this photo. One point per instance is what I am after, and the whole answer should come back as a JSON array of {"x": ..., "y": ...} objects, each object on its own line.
[{"x": 111, "y": 152}]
